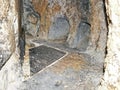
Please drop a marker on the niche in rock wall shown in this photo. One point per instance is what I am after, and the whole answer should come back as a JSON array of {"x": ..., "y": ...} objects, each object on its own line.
[
  {"x": 59, "y": 29},
  {"x": 67, "y": 21},
  {"x": 81, "y": 39},
  {"x": 78, "y": 24}
]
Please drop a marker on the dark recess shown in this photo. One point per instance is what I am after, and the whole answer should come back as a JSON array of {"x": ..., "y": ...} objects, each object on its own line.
[
  {"x": 21, "y": 43},
  {"x": 106, "y": 19},
  {"x": 42, "y": 56}
]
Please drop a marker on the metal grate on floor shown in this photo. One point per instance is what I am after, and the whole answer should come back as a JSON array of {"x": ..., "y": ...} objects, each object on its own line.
[{"x": 42, "y": 56}]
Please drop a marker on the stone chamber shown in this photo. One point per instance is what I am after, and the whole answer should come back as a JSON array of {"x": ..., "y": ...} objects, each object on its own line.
[{"x": 58, "y": 45}]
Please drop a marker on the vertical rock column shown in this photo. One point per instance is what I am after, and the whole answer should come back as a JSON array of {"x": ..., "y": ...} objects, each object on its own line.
[
  {"x": 98, "y": 26},
  {"x": 111, "y": 79},
  {"x": 8, "y": 26},
  {"x": 98, "y": 32},
  {"x": 10, "y": 68}
]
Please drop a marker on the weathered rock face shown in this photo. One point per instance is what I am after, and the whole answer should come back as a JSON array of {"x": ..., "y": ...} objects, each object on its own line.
[
  {"x": 111, "y": 79},
  {"x": 41, "y": 19},
  {"x": 98, "y": 33},
  {"x": 30, "y": 18},
  {"x": 10, "y": 68},
  {"x": 98, "y": 26},
  {"x": 59, "y": 30},
  {"x": 45, "y": 18},
  {"x": 8, "y": 30},
  {"x": 81, "y": 38},
  {"x": 11, "y": 74},
  {"x": 79, "y": 23}
]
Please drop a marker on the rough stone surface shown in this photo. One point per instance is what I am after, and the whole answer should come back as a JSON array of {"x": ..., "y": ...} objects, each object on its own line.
[
  {"x": 82, "y": 36},
  {"x": 8, "y": 30},
  {"x": 48, "y": 10},
  {"x": 70, "y": 73},
  {"x": 40, "y": 18},
  {"x": 59, "y": 30},
  {"x": 111, "y": 80},
  {"x": 10, "y": 68},
  {"x": 11, "y": 74},
  {"x": 84, "y": 10},
  {"x": 98, "y": 35},
  {"x": 30, "y": 18},
  {"x": 47, "y": 26}
]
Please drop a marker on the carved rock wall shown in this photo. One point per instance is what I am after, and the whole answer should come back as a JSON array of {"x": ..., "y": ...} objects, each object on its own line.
[
  {"x": 79, "y": 23},
  {"x": 10, "y": 68},
  {"x": 8, "y": 30},
  {"x": 41, "y": 18},
  {"x": 98, "y": 35},
  {"x": 98, "y": 31},
  {"x": 111, "y": 80}
]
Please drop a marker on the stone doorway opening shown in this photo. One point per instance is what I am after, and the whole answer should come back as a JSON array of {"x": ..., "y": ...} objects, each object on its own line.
[
  {"x": 55, "y": 24},
  {"x": 63, "y": 29},
  {"x": 77, "y": 28}
]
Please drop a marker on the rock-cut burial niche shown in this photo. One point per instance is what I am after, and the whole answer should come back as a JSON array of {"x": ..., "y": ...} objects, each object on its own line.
[
  {"x": 79, "y": 24},
  {"x": 67, "y": 21}
]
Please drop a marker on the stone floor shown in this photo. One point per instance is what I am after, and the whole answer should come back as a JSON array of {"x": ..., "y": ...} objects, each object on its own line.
[
  {"x": 71, "y": 72},
  {"x": 42, "y": 56}
]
